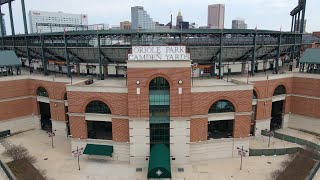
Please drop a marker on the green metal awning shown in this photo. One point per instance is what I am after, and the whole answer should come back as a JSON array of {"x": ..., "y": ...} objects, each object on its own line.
[
  {"x": 159, "y": 162},
  {"x": 9, "y": 58},
  {"x": 100, "y": 150},
  {"x": 311, "y": 56}
]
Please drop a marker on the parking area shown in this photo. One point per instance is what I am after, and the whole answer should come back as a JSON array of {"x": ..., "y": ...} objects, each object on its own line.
[{"x": 60, "y": 164}]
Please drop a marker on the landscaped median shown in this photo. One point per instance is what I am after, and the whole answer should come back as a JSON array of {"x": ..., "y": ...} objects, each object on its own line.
[
  {"x": 23, "y": 169},
  {"x": 303, "y": 164},
  {"x": 273, "y": 152},
  {"x": 21, "y": 162}
]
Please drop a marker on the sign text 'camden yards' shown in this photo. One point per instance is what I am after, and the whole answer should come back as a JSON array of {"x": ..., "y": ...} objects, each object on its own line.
[{"x": 155, "y": 53}]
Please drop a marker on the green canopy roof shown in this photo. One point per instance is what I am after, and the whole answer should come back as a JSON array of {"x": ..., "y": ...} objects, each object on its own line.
[
  {"x": 9, "y": 58},
  {"x": 101, "y": 150},
  {"x": 159, "y": 162},
  {"x": 311, "y": 56}
]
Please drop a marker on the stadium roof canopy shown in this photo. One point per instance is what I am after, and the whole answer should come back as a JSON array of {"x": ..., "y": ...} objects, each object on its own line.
[
  {"x": 9, "y": 58},
  {"x": 311, "y": 56}
]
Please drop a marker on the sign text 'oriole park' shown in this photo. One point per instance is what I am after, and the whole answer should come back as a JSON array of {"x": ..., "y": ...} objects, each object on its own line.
[{"x": 160, "y": 53}]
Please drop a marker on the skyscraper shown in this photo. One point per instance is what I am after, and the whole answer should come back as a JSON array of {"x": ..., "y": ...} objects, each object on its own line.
[
  {"x": 216, "y": 16},
  {"x": 3, "y": 26},
  {"x": 140, "y": 19},
  {"x": 239, "y": 24},
  {"x": 179, "y": 20}
]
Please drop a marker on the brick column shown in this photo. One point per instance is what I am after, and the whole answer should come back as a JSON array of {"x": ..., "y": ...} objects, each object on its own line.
[
  {"x": 120, "y": 130},
  {"x": 199, "y": 129},
  {"x": 241, "y": 127},
  {"x": 78, "y": 127}
]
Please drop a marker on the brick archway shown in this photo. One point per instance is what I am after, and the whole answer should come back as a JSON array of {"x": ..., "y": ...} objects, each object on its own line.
[
  {"x": 43, "y": 86},
  {"x": 223, "y": 98},
  {"x": 83, "y": 109},
  {"x": 279, "y": 84},
  {"x": 159, "y": 75}
]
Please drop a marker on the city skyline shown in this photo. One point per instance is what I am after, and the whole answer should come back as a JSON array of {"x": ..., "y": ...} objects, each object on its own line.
[
  {"x": 193, "y": 11},
  {"x": 216, "y": 16}
]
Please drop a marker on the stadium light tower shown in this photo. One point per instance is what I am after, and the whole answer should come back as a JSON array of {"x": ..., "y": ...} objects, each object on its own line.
[{"x": 9, "y": 2}]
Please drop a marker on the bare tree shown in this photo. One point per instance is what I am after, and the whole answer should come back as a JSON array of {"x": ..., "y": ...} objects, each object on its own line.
[{"x": 16, "y": 152}]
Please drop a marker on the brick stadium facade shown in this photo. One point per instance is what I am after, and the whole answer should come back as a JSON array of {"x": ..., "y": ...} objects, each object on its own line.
[{"x": 190, "y": 103}]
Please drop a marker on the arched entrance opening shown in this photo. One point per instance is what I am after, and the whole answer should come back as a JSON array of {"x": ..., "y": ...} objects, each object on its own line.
[
  {"x": 44, "y": 109},
  {"x": 67, "y": 116},
  {"x": 99, "y": 129},
  {"x": 159, "y": 111},
  {"x": 254, "y": 113},
  {"x": 159, "y": 117},
  {"x": 277, "y": 108},
  {"x": 221, "y": 128}
]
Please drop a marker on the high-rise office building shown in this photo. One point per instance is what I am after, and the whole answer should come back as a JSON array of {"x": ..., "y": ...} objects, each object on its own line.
[
  {"x": 56, "y": 21},
  {"x": 140, "y": 19},
  {"x": 3, "y": 26},
  {"x": 125, "y": 25},
  {"x": 239, "y": 24},
  {"x": 179, "y": 20},
  {"x": 216, "y": 16},
  {"x": 298, "y": 27}
]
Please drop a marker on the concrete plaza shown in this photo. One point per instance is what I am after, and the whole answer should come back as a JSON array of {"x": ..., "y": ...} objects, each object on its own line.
[{"x": 60, "y": 164}]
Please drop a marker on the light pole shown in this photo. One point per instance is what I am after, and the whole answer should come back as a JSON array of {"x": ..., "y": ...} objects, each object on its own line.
[
  {"x": 192, "y": 71},
  {"x": 69, "y": 67},
  {"x": 242, "y": 153},
  {"x": 229, "y": 71},
  {"x": 125, "y": 76},
  {"x": 270, "y": 134},
  {"x": 77, "y": 153},
  {"x": 51, "y": 134},
  {"x": 248, "y": 73}
]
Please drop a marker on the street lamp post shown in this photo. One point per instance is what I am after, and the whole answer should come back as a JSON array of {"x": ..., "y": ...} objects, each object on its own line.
[
  {"x": 248, "y": 73},
  {"x": 270, "y": 134},
  {"x": 69, "y": 67},
  {"x": 77, "y": 153},
  {"x": 192, "y": 71},
  {"x": 51, "y": 134},
  {"x": 125, "y": 76},
  {"x": 242, "y": 153}
]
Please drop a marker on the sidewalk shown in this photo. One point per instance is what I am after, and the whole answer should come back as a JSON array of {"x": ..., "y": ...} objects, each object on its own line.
[{"x": 300, "y": 134}]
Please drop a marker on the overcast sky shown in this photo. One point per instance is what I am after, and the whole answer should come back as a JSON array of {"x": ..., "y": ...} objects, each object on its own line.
[{"x": 265, "y": 14}]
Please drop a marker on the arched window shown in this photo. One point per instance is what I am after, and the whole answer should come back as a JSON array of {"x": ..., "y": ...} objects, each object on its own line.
[
  {"x": 159, "y": 83},
  {"x": 254, "y": 95},
  {"x": 97, "y": 107},
  {"x": 221, "y": 106},
  {"x": 279, "y": 90},
  {"x": 41, "y": 91}
]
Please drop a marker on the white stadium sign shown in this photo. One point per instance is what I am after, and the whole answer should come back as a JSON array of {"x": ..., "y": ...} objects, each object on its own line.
[{"x": 160, "y": 53}]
